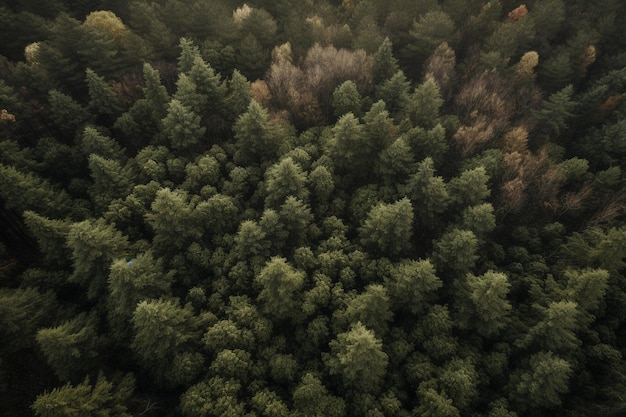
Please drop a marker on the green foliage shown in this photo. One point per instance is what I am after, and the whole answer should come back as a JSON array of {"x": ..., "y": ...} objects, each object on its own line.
[
  {"x": 414, "y": 208},
  {"x": 71, "y": 348},
  {"x": 388, "y": 228},
  {"x": 23, "y": 313},
  {"x": 280, "y": 293},
  {"x": 357, "y": 356},
  {"x": 104, "y": 399}
]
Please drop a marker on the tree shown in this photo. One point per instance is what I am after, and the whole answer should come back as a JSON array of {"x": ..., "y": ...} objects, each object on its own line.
[
  {"x": 395, "y": 93},
  {"x": 556, "y": 111},
  {"x": 357, "y": 356},
  {"x": 429, "y": 190},
  {"x": 215, "y": 397},
  {"x": 256, "y": 140},
  {"x": 424, "y": 104},
  {"x": 456, "y": 250},
  {"x": 188, "y": 54},
  {"x": 94, "y": 245},
  {"x": 434, "y": 403},
  {"x": 72, "y": 348},
  {"x": 470, "y": 188},
  {"x": 23, "y": 311},
  {"x": 285, "y": 179},
  {"x": 51, "y": 236},
  {"x": 412, "y": 285},
  {"x": 182, "y": 127},
  {"x": 103, "y": 399},
  {"x": 162, "y": 330},
  {"x": 67, "y": 114},
  {"x": 488, "y": 294},
  {"x": 556, "y": 332},
  {"x": 346, "y": 99},
  {"x": 102, "y": 96},
  {"x": 239, "y": 95},
  {"x": 172, "y": 219},
  {"x": 131, "y": 281},
  {"x": 388, "y": 228},
  {"x": 280, "y": 293},
  {"x": 384, "y": 65},
  {"x": 542, "y": 384},
  {"x": 372, "y": 308},
  {"x": 312, "y": 399},
  {"x": 94, "y": 141},
  {"x": 430, "y": 30},
  {"x": 110, "y": 181}
]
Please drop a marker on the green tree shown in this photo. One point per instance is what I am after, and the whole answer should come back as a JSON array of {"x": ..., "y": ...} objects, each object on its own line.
[
  {"x": 556, "y": 111},
  {"x": 395, "y": 92},
  {"x": 94, "y": 245},
  {"x": 51, "y": 236},
  {"x": 102, "y": 96},
  {"x": 384, "y": 64},
  {"x": 281, "y": 284},
  {"x": 388, "y": 228},
  {"x": 372, "y": 308},
  {"x": 556, "y": 332},
  {"x": 182, "y": 127},
  {"x": 470, "y": 188},
  {"x": 456, "y": 250},
  {"x": 72, "y": 348},
  {"x": 215, "y": 397},
  {"x": 346, "y": 99},
  {"x": 238, "y": 97},
  {"x": 429, "y": 190},
  {"x": 162, "y": 329},
  {"x": 188, "y": 54},
  {"x": 66, "y": 113},
  {"x": 255, "y": 139},
  {"x": 488, "y": 293},
  {"x": 430, "y": 30},
  {"x": 357, "y": 356},
  {"x": 95, "y": 142},
  {"x": 173, "y": 221},
  {"x": 312, "y": 399},
  {"x": 424, "y": 104},
  {"x": 23, "y": 311},
  {"x": 543, "y": 383},
  {"x": 434, "y": 403},
  {"x": 412, "y": 285},
  {"x": 284, "y": 179},
  {"x": 110, "y": 181},
  {"x": 103, "y": 399},
  {"x": 131, "y": 281}
]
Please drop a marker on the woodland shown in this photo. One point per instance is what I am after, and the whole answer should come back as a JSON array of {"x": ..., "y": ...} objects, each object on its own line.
[{"x": 357, "y": 208}]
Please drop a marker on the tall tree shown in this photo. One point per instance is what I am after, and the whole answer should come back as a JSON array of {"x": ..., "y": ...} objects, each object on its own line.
[{"x": 357, "y": 357}]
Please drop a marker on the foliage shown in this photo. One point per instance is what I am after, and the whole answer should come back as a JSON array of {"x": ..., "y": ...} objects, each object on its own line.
[{"x": 344, "y": 208}]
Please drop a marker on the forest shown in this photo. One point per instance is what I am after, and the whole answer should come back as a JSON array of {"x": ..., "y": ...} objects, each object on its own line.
[{"x": 338, "y": 208}]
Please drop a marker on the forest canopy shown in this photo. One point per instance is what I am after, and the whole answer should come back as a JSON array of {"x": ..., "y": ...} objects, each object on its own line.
[{"x": 355, "y": 208}]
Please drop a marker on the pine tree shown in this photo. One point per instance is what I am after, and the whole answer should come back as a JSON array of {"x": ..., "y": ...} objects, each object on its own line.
[
  {"x": 94, "y": 245},
  {"x": 105, "y": 398},
  {"x": 182, "y": 127},
  {"x": 72, "y": 348},
  {"x": 384, "y": 65},
  {"x": 311, "y": 398},
  {"x": 388, "y": 228},
  {"x": 412, "y": 285},
  {"x": 102, "y": 96},
  {"x": 280, "y": 294},
  {"x": 285, "y": 179},
  {"x": 346, "y": 99},
  {"x": 357, "y": 356},
  {"x": 188, "y": 54},
  {"x": 372, "y": 308}
]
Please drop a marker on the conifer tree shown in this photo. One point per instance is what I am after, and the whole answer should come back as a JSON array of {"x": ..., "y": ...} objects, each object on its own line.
[
  {"x": 357, "y": 357},
  {"x": 71, "y": 349},
  {"x": 182, "y": 127},
  {"x": 102, "y": 97},
  {"x": 104, "y": 398},
  {"x": 388, "y": 228},
  {"x": 384, "y": 65},
  {"x": 280, "y": 294}
]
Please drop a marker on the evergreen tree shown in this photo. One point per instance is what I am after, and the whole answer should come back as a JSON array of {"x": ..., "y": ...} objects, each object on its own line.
[
  {"x": 388, "y": 228},
  {"x": 72, "y": 348},
  {"x": 104, "y": 398},
  {"x": 102, "y": 97},
  {"x": 412, "y": 285},
  {"x": 346, "y": 99},
  {"x": 285, "y": 179},
  {"x": 384, "y": 65},
  {"x": 311, "y": 399},
  {"x": 280, "y": 289},
  {"x": 182, "y": 127},
  {"x": 94, "y": 245},
  {"x": 372, "y": 308},
  {"x": 357, "y": 356}
]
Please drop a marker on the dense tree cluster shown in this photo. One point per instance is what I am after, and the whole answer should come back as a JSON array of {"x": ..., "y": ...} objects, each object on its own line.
[{"x": 293, "y": 209}]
